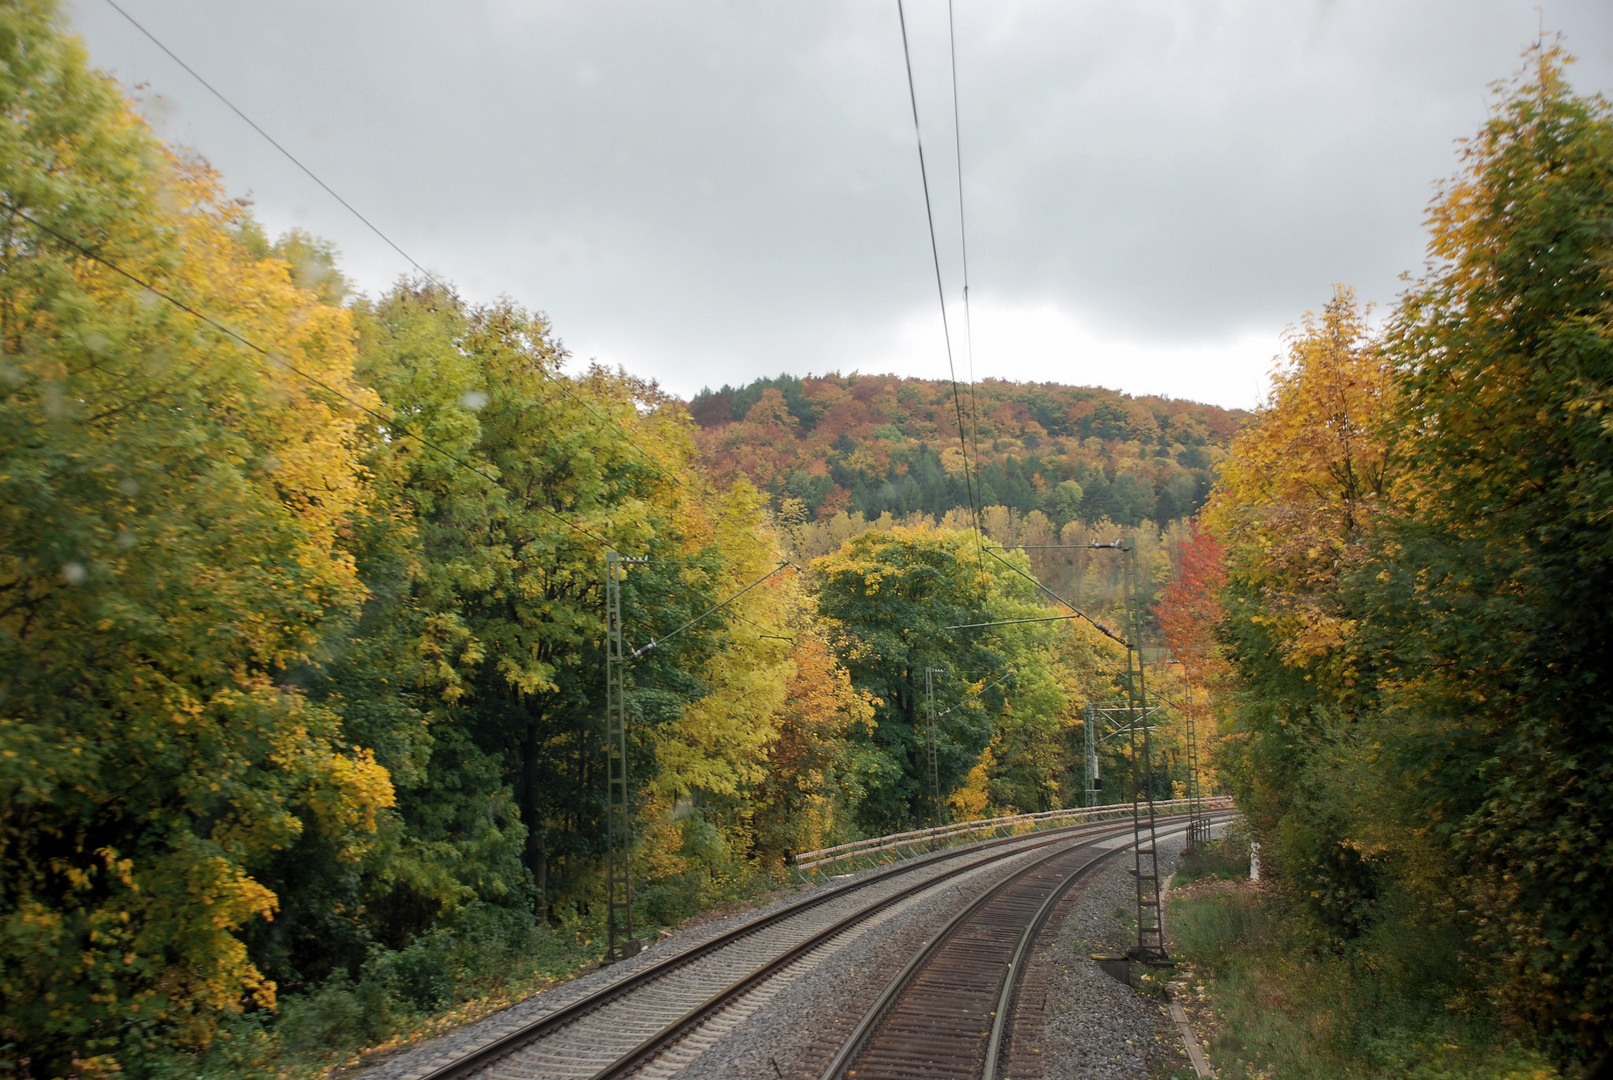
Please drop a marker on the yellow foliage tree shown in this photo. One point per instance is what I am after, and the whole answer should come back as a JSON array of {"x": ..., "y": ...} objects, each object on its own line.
[
  {"x": 1306, "y": 478},
  {"x": 171, "y": 509}
]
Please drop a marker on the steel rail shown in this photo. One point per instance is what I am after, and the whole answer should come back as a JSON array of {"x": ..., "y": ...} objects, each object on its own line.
[
  {"x": 669, "y": 1034},
  {"x": 512, "y": 1042},
  {"x": 894, "y": 841},
  {"x": 875, "y": 1014},
  {"x": 1016, "y": 967}
]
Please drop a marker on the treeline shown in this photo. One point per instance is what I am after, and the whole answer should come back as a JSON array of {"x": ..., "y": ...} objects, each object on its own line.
[
  {"x": 302, "y": 633},
  {"x": 874, "y": 445},
  {"x": 1401, "y": 575}
]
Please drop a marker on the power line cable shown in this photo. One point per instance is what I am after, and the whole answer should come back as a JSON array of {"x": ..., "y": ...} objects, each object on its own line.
[
  {"x": 641, "y": 650},
  {"x": 390, "y": 422},
  {"x": 963, "y": 243},
  {"x": 270, "y": 138},
  {"x": 562, "y": 384},
  {"x": 974, "y": 694},
  {"x": 940, "y": 287},
  {"x": 1032, "y": 579},
  {"x": 1011, "y": 622},
  {"x": 1078, "y": 612}
]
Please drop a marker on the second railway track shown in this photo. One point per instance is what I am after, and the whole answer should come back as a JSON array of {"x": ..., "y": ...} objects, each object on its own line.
[
  {"x": 947, "y": 1013},
  {"x": 642, "y": 1017}
]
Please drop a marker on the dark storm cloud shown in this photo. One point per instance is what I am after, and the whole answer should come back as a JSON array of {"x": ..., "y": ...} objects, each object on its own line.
[{"x": 711, "y": 191}]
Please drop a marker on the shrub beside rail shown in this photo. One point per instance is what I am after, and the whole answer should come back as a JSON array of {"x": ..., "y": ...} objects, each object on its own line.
[{"x": 904, "y": 845}]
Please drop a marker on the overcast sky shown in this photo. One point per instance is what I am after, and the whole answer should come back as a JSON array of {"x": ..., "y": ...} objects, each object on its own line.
[{"x": 707, "y": 192}]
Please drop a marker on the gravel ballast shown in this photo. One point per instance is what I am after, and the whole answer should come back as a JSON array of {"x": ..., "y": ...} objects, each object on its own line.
[
  {"x": 775, "y": 1027},
  {"x": 1092, "y": 1025}
]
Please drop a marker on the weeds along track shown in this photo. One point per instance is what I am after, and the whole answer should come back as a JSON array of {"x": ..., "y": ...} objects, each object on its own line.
[
  {"x": 948, "y": 1011},
  {"x": 662, "y": 1013}
]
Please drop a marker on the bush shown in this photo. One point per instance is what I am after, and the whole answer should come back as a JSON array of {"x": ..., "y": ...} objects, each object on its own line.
[
  {"x": 1291, "y": 1006},
  {"x": 485, "y": 953}
]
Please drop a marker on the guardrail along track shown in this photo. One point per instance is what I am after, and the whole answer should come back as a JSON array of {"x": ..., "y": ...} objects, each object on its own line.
[
  {"x": 945, "y": 1013},
  {"x": 613, "y": 1030},
  {"x": 816, "y": 862}
]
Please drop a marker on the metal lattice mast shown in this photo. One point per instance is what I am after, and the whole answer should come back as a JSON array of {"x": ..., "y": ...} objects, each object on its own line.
[
  {"x": 619, "y": 837},
  {"x": 932, "y": 741},
  {"x": 619, "y": 875},
  {"x": 1150, "y": 921},
  {"x": 1198, "y": 829},
  {"x": 1091, "y": 757}
]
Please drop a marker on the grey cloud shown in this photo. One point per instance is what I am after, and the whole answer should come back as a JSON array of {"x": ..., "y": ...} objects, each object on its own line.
[{"x": 716, "y": 190}]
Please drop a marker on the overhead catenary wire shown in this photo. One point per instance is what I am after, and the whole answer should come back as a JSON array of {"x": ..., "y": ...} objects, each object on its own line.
[
  {"x": 1093, "y": 546},
  {"x": 640, "y": 651},
  {"x": 1012, "y": 622},
  {"x": 974, "y": 694},
  {"x": 391, "y": 422},
  {"x": 963, "y": 241},
  {"x": 270, "y": 138},
  {"x": 560, "y": 383},
  {"x": 761, "y": 631},
  {"x": 1079, "y": 613},
  {"x": 940, "y": 286}
]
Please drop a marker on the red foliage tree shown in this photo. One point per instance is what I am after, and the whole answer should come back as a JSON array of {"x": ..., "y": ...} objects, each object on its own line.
[{"x": 1190, "y": 606}]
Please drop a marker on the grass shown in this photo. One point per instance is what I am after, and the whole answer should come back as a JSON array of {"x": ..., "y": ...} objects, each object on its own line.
[
  {"x": 1281, "y": 1007},
  {"x": 1224, "y": 859}
]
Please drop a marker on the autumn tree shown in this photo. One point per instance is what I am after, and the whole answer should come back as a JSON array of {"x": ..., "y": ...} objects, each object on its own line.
[
  {"x": 488, "y": 555},
  {"x": 892, "y": 595},
  {"x": 1295, "y": 501},
  {"x": 1189, "y": 613},
  {"x": 1190, "y": 606},
  {"x": 171, "y": 508},
  {"x": 1482, "y": 596},
  {"x": 902, "y": 601},
  {"x": 1410, "y": 530}
]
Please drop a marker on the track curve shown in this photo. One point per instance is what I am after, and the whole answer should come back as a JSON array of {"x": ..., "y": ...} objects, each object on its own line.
[
  {"x": 621, "y": 1027},
  {"x": 946, "y": 1013}
]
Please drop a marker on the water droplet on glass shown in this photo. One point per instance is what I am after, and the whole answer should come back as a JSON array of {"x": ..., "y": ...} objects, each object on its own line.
[
  {"x": 129, "y": 486},
  {"x": 74, "y": 573},
  {"x": 473, "y": 399}
]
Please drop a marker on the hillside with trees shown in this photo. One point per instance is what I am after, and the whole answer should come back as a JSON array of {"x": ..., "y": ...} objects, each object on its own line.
[{"x": 878, "y": 444}]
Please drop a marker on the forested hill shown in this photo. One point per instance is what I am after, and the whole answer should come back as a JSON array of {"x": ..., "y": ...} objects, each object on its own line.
[{"x": 879, "y": 443}]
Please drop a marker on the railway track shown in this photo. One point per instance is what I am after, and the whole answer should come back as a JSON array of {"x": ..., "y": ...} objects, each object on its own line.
[
  {"x": 656, "y": 1017},
  {"x": 948, "y": 1011}
]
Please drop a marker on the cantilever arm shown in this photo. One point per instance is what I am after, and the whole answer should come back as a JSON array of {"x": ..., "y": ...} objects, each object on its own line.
[
  {"x": 1102, "y": 629},
  {"x": 641, "y": 650}
]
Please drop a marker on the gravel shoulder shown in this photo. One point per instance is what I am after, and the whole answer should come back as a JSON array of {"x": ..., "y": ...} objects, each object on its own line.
[
  {"x": 1076, "y": 1021},
  {"x": 420, "y": 1059}
]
